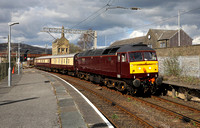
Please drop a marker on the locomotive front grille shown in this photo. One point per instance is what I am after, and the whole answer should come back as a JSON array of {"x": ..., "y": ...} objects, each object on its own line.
[{"x": 143, "y": 67}]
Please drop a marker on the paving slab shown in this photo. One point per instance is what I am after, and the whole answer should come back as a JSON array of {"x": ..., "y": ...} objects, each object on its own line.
[{"x": 28, "y": 103}]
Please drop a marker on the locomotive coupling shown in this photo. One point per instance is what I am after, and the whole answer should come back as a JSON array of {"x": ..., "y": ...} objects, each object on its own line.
[
  {"x": 159, "y": 80},
  {"x": 136, "y": 82}
]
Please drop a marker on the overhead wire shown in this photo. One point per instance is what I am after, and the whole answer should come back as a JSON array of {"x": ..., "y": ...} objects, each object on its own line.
[
  {"x": 108, "y": 4},
  {"x": 161, "y": 21}
]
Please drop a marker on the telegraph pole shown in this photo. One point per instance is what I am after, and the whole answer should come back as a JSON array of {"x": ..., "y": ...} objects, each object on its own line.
[{"x": 179, "y": 29}]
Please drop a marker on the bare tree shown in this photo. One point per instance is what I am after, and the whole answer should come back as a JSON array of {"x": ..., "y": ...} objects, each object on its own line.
[
  {"x": 85, "y": 41},
  {"x": 74, "y": 48}
]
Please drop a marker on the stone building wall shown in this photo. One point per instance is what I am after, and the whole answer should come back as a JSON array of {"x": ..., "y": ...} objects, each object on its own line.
[{"x": 193, "y": 50}]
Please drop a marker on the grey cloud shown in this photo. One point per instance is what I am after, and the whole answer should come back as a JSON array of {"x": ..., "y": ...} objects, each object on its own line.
[{"x": 33, "y": 15}]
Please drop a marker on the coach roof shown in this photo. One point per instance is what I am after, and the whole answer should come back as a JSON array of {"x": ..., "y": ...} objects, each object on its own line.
[{"x": 56, "y": 56}]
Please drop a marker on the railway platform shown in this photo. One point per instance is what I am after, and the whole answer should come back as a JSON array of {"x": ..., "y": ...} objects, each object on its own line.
[{"x": 39, "y": 99}]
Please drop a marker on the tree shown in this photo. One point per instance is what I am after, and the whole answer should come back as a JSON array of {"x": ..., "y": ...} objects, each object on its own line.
[
  {"x": 85, "y": 41},
  {"x": 74, "y": 48}
]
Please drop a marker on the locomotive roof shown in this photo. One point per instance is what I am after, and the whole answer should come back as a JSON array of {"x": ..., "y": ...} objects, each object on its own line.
[
  {"x": 55, "y": 56},
  {"x": 134, "y": 47},
  {"x": 113, "y": 50}
]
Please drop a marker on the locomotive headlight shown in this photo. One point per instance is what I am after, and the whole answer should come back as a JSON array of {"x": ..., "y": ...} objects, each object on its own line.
[
  {"x": 131, "y": 65},
  {"x": 149, "y": 67},
  {"x": 139, "y": 68}
]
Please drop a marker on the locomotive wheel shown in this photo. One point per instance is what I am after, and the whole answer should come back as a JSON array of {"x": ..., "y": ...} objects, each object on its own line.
[
  {"x": 86, "y": 77},
  {"x": 121, "y": 86},
  {"x": 110, "y": 84},
  {"x": 131, "y": 91}
]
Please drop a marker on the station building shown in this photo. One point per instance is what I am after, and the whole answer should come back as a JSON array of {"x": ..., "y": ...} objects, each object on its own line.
[
  {"x": 159, "y": 38},
  {"x": 60, "y": 46}
]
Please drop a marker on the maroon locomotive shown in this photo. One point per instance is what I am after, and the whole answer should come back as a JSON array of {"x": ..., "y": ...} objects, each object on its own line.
[{"x": 128, "y": 68}]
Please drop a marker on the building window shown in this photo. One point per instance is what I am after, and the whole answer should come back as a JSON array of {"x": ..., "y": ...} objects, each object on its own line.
[
  {"x": 62, "y": 50},
  {"x": 162, "y": 45},
  {"x": 66, "y": 50},
  {"x": 149, "y": 37},
  {"x": 58, "y": 49}
]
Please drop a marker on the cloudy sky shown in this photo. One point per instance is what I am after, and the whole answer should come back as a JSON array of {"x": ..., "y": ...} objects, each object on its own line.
[{"x": 110, "y": 24}]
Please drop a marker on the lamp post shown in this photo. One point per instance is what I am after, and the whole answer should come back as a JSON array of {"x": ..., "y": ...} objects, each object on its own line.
[
  {"x": 115, "y": 7},
  {"x": 18, "y": 58},
  {"x": 179, "y": 28},
  {"x": 9, "y": 50}
]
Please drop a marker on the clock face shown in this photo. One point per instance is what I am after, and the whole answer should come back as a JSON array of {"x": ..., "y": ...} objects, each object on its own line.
[{"x": 149, "y": 36}]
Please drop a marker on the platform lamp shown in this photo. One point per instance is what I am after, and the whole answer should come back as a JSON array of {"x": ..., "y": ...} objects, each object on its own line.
[
  {"x": 120, "y": 7},
  {"x": 9, "y": 50}
]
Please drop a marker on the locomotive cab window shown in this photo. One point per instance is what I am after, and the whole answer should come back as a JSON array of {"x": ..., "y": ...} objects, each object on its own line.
[
  {"x": 150, "y": 56},
  {"x": 135, "y": 56},
  {"x": 123, "y": 57},
  {"x": 118, "y": 57},
  {"x": 140, "y": 56}
]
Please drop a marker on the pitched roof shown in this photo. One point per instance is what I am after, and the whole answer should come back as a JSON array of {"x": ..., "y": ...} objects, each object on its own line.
[
  {"x": 128, "y": 41},
  {"x": 163, "y": 34},
  {"x": 160, "y": 34}
]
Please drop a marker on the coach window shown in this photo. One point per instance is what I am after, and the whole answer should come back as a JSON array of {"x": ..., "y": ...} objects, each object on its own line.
[
  {"x": 61, "y": 61},
  {"x": 123, "y": 57}
]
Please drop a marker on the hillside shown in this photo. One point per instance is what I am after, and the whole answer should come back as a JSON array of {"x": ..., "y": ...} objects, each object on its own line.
[{"x": 24, "y": 48}]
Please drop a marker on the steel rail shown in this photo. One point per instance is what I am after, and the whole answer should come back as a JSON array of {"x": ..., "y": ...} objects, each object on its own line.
[
  {"x": 141, "y": 121},
  {"x": 119, "y": 107},
  {"x": 178, "y": 104},
  {"x": 173, "y": 113}
]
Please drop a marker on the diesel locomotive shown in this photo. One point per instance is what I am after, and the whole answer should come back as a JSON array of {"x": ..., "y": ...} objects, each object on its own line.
[{"x": 128, "y": 68}]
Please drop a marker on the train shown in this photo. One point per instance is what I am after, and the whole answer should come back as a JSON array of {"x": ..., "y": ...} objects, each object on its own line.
[{"x": 127, "y": 68}]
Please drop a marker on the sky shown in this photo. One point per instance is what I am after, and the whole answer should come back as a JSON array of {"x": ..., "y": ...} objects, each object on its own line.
[{"x": 111, "y": 23}]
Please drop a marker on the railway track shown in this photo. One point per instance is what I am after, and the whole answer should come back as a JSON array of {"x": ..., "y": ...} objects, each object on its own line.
[
  {"x": 195, "y": 110},
  {"x": 116, "y": 111},
  {"x": 183, "y": 112}
]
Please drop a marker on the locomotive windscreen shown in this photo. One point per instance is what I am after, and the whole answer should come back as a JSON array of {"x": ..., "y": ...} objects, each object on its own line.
[{"x": 141, "y": 56}]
